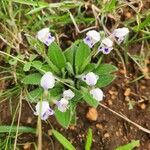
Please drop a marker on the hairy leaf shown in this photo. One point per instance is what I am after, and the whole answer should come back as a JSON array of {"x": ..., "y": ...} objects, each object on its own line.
[{"x": 34, "y": 79}]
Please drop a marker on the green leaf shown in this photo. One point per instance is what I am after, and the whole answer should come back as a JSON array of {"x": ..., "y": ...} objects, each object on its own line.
[
  {"x": 34, "y": 95},
  {"x": 35, "y": 44},
  {"x": 73, "y": 118},
  {"x": 70, "y": 53},
  {"x": 21, "y": 129},
  {"x": 46, "y": 68},
  {"x": 34, "y": 79},
  {"x": 37, "y": 64},
  {"x": 35, "y": 10},
  {"x": 89, "y": 68},
  {"x": 143, "y": 24},
  {"x": 105, "y": 69},
  {"x": 82, "y": 57},
  {"x": 63, "y": 140},
  {"x": 69, "y": 68},
  {"x": 12, "y": 61},
  {"x": 32, "y": 57},
  {"x": 129, "y": 146},
  {"x": 110, "y": 6},
  {"x": 105, "y": 80},
  {"x": 63, "y": 118},
  {"x": 30, "y": 2},
  {"x": 89, "y": 99},
  {"x": 27, "y": 66},
  {"x": 55, "y": 92},
  {"x": 88, "y": 140},
  {"x": 56, "y": 56}
]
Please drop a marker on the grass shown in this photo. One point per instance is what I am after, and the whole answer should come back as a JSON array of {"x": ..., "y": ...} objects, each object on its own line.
[{"x": 20, "y": 17}]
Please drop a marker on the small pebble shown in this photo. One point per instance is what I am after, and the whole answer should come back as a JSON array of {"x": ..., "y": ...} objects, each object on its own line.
[
  {"x": 111, "y": 92},
  {"x": 99, "y": 126},
  {"x": 92, "y": 114},
  {"x": 50, "y": 132},
  {"x": 27, "y": 146},
  {"x": 128, "y": 15},
  {"x": 127, "y": 92},
  {"x": 110, "y": 102},
  {"x": 113, "y": 97},
  {"x": 29, "y": 120},
  {"x": 143, "y": 87},
  {"x": 143, "y": 106},
  {"x": 72, "y": 127},
  {"x": 106, "y": 135}
]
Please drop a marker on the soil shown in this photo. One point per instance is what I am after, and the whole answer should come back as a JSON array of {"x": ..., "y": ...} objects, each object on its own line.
[{"x": 109, "y": 131}]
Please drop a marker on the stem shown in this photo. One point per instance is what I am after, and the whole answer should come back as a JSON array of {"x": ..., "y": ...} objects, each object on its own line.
[
  {"x": 39, "y": 126},
  {"x": 1, "y": 52},
  {"x": 20, "y": 103},
  {"x": 125, "y": 118}
]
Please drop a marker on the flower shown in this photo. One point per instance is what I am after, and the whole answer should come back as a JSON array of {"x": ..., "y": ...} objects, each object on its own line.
[
  {"x": 97, "y": 94},
  {"x": 43, "y": 109},
  {"x": 45, "y": 36},
  {"x": 92, "y": 37},
  {"x": 62, "y": 104},
  {"x": 120, "y": 34},
  {"x": 90, "y": 79},
  {"x": 68, "y": 94},
  {"x": 47, "y": 81},
  {"x": 106, "y": 46}
]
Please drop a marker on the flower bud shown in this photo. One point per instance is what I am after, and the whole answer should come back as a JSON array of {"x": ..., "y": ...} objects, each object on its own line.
[
  {"x": 90, "y": 78},
  {"x": 43, "y": 109},
  {"x": 47, "y": 81},
  {"x": 62, "y": 105},
  {"x": 97, "y": 94},
  {"x": 45, "y": 36},
  {"x": 68, "y": 94}
]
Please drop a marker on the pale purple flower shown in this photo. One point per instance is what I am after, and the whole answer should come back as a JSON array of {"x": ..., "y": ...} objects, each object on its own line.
[
  {"x": 97, "y": 94},
  {"x": 68, "y": 94},
  {"x": 45, "y": 36},
  {"x": 90, "y": 78},
  {"x": 120, "y": 34},
  {"x": 92, "y": 37},
  {"x": 43, "y": 110},
  {"x": 47, "y": 81},
  {"x": 62, "y": 104},
  {"x": 106, "y": 46}
]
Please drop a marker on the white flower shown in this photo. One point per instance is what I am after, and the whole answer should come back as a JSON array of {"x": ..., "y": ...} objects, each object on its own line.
[
  {"x": 120, "y": 33},
  {"x": 92, "y": 37},
  {"x": 62, "y": 104},
  {"x": 68, "y": 94},
  {"x": 97, "y": 94},
  {"x": 106, "y": 46},
  {"x": 90, "y": 79},
  {"x": 47, "y": 81},
  {"x": 43, "y": 109},
  {"x": 45, "y": 36}
]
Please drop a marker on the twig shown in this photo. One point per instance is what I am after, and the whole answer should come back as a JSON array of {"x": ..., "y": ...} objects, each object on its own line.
[
  {"x": 125, "y": 118},
  {"x": 76, "y": 26},
  {"x": 20, "y": 108}
]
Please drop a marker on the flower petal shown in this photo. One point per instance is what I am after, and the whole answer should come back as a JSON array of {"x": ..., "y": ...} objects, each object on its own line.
[
  {"x": 47, "y": 81},
  {"x": 97, "y": 94}
]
